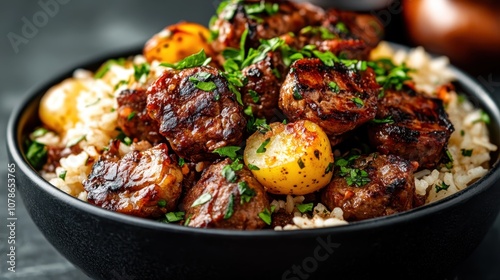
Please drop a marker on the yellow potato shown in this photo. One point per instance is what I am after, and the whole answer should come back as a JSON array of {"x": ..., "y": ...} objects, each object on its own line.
[
  {"x": 176, "y": 42},
  {"x": 295, "y": 158},
  {"x": 58, "y": 106}
]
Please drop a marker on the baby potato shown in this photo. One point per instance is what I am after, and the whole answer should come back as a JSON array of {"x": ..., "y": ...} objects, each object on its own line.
[
  {"x": 295, "y": 158},
  {"x": 58, "y": 106},
  {"x": 176, "y": 42}
]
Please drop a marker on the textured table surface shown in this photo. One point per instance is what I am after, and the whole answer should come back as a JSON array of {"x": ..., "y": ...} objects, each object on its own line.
[{"x": 76, "y": 31}]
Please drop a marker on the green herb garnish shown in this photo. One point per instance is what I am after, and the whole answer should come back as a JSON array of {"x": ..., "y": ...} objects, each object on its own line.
[
  {"x": 161, "y": 203},
  {"x": 334, "y": 87},
  {"x": 441, "y": 187},
  {"x": 107, "y": 65},
  {"x": 204, "y": 198},
  {"x": 228, "y": 151},
  {"x": 62, "y": 175},
  {"x": 141, "y": 72},
  {"x": 359, "y": 102},
  {"x": 262, "y": 147},
  {"x": 194, "y": 60},
  {"x": 265, "y": 215},
  {"x": 253, "y": 167},
  {"x": 172, "y": 217},
  {"x": 305, "y": 207},
  {"x": 246, "y": 193},
  {"x": 36, "y": 154},
  {"x": 387, "y": 120},
  {"x": 466, "y": 153},
  {"x": 230, "y": 208}
]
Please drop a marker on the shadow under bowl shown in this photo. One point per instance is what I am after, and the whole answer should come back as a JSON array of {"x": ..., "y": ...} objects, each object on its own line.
[{"x": 423, "y": 243}]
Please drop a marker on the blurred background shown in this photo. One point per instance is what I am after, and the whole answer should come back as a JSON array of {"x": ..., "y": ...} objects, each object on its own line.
[{"x": 40, "y": 39}]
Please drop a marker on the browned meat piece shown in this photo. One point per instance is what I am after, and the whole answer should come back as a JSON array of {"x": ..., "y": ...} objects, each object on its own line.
[
  {"x": 345, "y": 34},
  {"x": 418, "y": 127},
  {"x": 387, "y": 187},
  {"x": 55, "y": 153},
  {"x": 145, "y": 184},
  {"x": 133, "y": 118},
  {"x": 281, "y": 218},
  {"x": 336, "y": 98},
  {"x": 196, "y": 121},
  {"x": 264, "y": 80},
  {"x": 235, "y": 18},
  {"x": 214, "y": 202}
]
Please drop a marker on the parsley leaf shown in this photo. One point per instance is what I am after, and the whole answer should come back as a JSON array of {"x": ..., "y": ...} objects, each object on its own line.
[
  {"x": 334, "y": 87},
  {"x": 253, "y": 167},
  {"x": 265, "y": 215},
  {"x": 441, "y": 187},
  {"x": 305, "y": 207},
  {"x": 246, "y": 193},
  {"x": 62, "y": 175},
  {"x": 262, "y": 147},
  {"x": 194, "y": 60},
  {"x": 141, "y": 72},
  {"x": 387, "y": 120},
  {"x": 466, "y": 153},
  {"x": 172, "y": 217},
  {"x": 230, "y": 208},
  {"x": 36, "y": 154},
  {"x": 228, "y": 151},
  {"x": 204, "y": 198}
]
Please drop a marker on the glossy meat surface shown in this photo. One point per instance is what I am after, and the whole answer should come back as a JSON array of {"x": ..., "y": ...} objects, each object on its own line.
[
  {"x": 196, "y": 121},
  {"x": 133, "y": 118},
  {"x": 214, "y": 213},
  {"x": 234, "y": 19},
  {"x": 419, "y": 127},
  {"x": 264, "y": 80},
  {"x": 388, "y": 188},
  {"x": 336, "y": 98},
  {"x": 137, "y": 184}
]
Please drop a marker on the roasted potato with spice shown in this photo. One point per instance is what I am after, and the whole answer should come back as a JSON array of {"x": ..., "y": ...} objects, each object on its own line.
[
  {"x": 176, "y": 42},
  {"x": 294, "y": 158},
  {"x": 58, "y": 107}
]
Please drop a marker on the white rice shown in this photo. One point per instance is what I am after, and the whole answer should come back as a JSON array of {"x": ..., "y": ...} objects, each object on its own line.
[{"x": 97, "y": 119}]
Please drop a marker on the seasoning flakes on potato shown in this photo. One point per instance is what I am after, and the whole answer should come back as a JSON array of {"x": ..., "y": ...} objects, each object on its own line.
[{"x": 294, "y": 158}]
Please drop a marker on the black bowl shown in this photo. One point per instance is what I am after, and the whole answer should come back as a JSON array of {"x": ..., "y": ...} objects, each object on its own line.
[{"x": 423, "y": 243}]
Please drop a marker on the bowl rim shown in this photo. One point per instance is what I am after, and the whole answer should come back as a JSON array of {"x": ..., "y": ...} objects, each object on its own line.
[{"x": 14, "y": 140}]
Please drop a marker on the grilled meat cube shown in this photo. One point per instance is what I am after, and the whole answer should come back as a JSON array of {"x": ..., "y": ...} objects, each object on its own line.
[
  {"x": 133, "y": 118},
  {"x": 223, "y": 205},
  {"x": 417, "y": 127},
  {"x": 142, "y": 183},
  {"x": 387, "y": 187},
  {"x": 196, "y": 111},
  {"x": 345, "y": 34},
  {"x": 336, "y": 98},
  {"x": 235, "y": 18},
  {"x": 262, "y": 89}
]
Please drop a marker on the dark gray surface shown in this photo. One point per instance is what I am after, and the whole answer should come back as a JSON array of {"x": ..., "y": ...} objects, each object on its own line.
[{"x": 82, "y": 30}]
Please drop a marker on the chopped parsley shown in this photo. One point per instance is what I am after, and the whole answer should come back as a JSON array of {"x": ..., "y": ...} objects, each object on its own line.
[
  {"x": 253, "y": 167},
  {"x": 39, "y": 132},
  {"x": 229, "y": 171},
  {"x": 161, "y": 203},
  {"x": 329, "y": 168},
  {"x": 202, "y": 199},
  {"x": 182, "y": 161},
  {"x": 124, "y": 138},
  {"x": 301, "y": 163},
  {"x": 334, "y": 87},
  {"x": 441, "y": 187},
  {"x": 262, "y": 7},
  {"x": 62, "y": 175},
  {"x": 141, "y": 72},
  {"x": 265, "y": 215},
  {"x": 230, "y": 208},
  {"x": 483, "y": 117},
  {"x": 254, "y": 95},
  {"x": 172, "y": 217},
  {"x": 297, "y": 95},
  {"x": 466, "y": 153},
  {"x": 387, "y": 120},
  {"x": 107, "y": 65},
  {"x": 324, "y": 32},
  {"x": 262, "y": 147},
  {"x": 76, "y": 140},
  {"x": 246, "y": 193},
  {"x": 194, "y": 60},
  {"x": 228, "y": 151},
  {"x": 131, "y": 115},
  {"x": 388, "y": 75},
  {"x": 341, "y": 27},
  {"x": 353, "y": 176},
  {"x": 305, "y": 207},
  {"x": 449, "y": 163},
  {"x": 188, "y": 220},
  {"x": 36, "y": 154},
  {"x": 359, "y": 102},
  {"x": 200, "y": 81}
]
